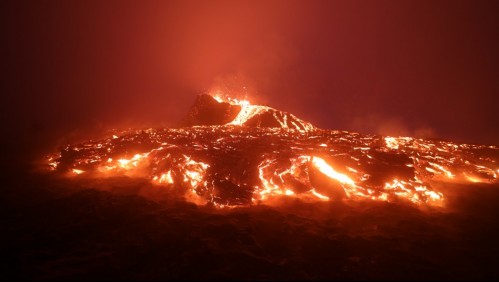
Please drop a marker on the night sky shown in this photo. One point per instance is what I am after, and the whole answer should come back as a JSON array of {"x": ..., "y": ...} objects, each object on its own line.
[{"x": 421, "y": 68}]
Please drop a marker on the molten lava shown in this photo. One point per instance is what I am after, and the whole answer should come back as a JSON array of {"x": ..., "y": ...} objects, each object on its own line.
[{"x": 236, "y": 153}]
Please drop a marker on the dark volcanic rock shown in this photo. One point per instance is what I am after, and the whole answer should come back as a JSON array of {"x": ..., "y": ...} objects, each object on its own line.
[
  {"x": 275, "y": 118},
  {"x": 208, "y": 111},
  {"x": 112, "y": 218}
]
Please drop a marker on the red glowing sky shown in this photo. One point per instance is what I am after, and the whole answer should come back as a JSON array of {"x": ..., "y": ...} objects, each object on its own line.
[{"x": 392, "y": 67}]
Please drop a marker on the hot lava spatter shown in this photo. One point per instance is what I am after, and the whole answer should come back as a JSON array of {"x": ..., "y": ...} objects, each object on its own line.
[{"x": 251, "y": 154}]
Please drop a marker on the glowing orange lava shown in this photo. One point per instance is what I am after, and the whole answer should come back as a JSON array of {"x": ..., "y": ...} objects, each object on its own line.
[{"x": 233, "y": 164}]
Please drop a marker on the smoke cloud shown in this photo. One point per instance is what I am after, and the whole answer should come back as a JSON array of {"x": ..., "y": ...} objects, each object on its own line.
[{"x": 79, "y": 67}]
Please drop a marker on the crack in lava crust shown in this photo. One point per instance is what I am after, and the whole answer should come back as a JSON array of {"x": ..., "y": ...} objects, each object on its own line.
[{"x": 235, "y": 165}]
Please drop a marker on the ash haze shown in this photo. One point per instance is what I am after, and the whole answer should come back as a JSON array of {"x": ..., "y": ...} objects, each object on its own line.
[
  {"x": 81, "y": 203},
  {"x": 391, "y": 67}
]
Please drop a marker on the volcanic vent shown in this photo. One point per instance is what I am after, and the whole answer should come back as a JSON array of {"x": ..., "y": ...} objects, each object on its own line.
[
  {"x": 230, "y": 152},
  {"x": 208, "y": 110}
]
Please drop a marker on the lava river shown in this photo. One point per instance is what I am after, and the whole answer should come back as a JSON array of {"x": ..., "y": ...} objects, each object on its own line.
[{"x": 243, "y": 161}]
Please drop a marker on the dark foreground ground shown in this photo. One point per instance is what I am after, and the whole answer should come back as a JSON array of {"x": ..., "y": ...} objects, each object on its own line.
[{"x": 58, "y": 229}]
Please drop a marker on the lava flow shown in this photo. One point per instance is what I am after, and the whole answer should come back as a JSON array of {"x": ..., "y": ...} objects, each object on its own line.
[{"x": 231, "y": 152}]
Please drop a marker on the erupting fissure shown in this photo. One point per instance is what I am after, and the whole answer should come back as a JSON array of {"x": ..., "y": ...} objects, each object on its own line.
[{"x": 235, "y": 153}]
